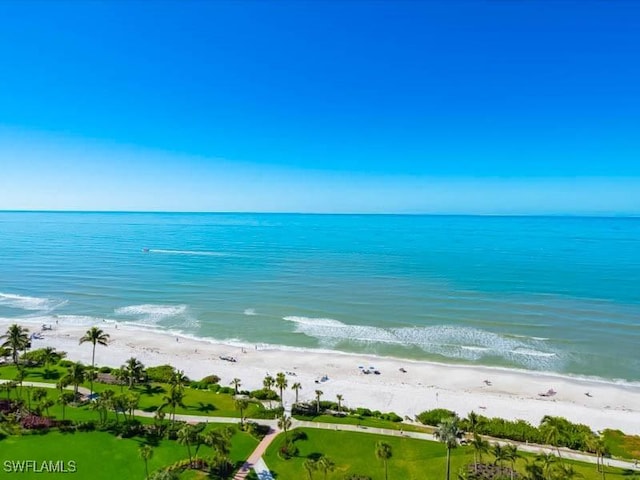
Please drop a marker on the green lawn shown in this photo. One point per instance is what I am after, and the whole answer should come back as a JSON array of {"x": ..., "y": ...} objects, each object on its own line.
[
  {"x": 100, "y": 455},
  {"x": 353, "y": 452},
  {"x": 366, "y": 422},
  {"x": 197, "y": 402}
]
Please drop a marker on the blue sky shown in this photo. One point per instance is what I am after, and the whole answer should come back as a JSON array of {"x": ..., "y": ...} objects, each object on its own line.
[{"x": 435, "y": 107}]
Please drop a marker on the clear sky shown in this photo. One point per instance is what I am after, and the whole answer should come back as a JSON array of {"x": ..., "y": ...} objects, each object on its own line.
[{"x": 339, "y": 106}]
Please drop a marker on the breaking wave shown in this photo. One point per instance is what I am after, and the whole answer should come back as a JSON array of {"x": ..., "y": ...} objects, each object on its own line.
[
  {"x": 188, "y": 252},
  {"x": 36, "y": 304},
  {"x": 158, "y": 315},
  {"x": 464, "y": 343}
]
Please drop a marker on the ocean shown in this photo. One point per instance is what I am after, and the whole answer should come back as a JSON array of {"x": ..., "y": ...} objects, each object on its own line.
[{"x": 552, "y": 294}]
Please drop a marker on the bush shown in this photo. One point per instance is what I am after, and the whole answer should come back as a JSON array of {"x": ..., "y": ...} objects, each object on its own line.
[
  {"x": 210, "y": 379},
  {"x": 161, "y": 373},
  {"x": 355, "y": 476},
  {"x": 88, "y": 426},
  {"x": 264, "y": 394},
  {"x": 227, "y": 390},
  {"x": 215, "y": 388},
  {"x": 65, "y": 363},
  {"x": 434, "y": 417},
  {"x": 363, "y": 412},
  {"x": 105, "y": 369},
  {"x": 296, "y": 435},
  {"x": 391, "y": 417},
  {"x": 269, "y": 414},
  {"x": 256, "y": 430},
  {"x": 288, "y": 450}
]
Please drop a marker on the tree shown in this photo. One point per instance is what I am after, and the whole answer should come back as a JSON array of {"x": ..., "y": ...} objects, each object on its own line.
[
  {"x": 173, "y": 400},
  {"x": 568, "y": 472},
  {"x": 296, "y": 387},
  {"x": 134, "y": 368},
  {"x": 284, "y": 423},
  {"x": 146, "y": 453},
  {"x": 268, "y": 382},
  {"x": 219, "y": 440},
  {"x": 500, "y": 456},
  {"x": 473, "y": 422},
  {"x": 339, "y": 398},
  {"x": 318, "y": 395},
  {"x": 241, "y": 404},
  {"x": 310, "y": 466},
  {"x": 65, "y": 399},
  {"x": 46, "y": 403},
  {"x": 384, "y": 453},
  {"x": 326, "y": 465},
  {"x": 480, "y": 446},
  {"x": 236, "y": 384},
  {"x": 178, "y": 380},
  {"x": 186, "y": 437},
  {"x": 281, "y": 384},
  {"x": 511, "y": 452},
  {"x": 75, "y": 376},
  {"x": 547, "y": 462},
  {"x": 17, "y": 339},
  {"x": 448, "y": 433},
  {"x": 552, "y": 431},
  {"x": 95, "y": 336}
]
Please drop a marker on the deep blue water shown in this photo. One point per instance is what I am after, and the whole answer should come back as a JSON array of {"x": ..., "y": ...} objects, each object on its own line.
[{"x": 556, "y": 294}]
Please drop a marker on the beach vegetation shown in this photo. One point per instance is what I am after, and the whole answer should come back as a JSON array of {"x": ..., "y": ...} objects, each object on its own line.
[
  {"x": 94, "y": 336},
  {"x": 448, "y": 432},
  {"x": 384, "y": 452},
  {"x": 16, "y": 339}
]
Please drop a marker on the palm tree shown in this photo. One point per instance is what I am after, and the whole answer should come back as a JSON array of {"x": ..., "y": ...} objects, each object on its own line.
[
  {"x": 219, "y": 440},
  {"x": 326, "y": 465},
  {"x": 134, "y": 369},
  {"x": 65, "y": 399},
  {"x": 512, "y": 455},
  {"x": 284, "y": 423},
  {"x": 75, "y": 376},
  {"x": 46, "y": 403},
  {"x": 173, "y": 400},
  {"x": 448, "y": 433},
  {"x": 236, "y": 384},
  {"x": 17, "y": 339},
  {"x": 281, "y": 383},
  {"x": 500, "y": 455},
  {"x": 241, "y": 404},
  {"x": 568, "y": 472},
  {"x": 310, "y": 466},
  {"x": 551, "y": 429},
  {"x": 473, "y": 422},
  {"x": 547, "y": 461},
  {"x": 268, "y": 382},
  {"x": 297, "y": 387},
  {"x": 318, "y": 395},
  {"x": 480, "y": 446},
  {"x": 178, "y": 380},
  {"x": 95, "y": 336},
  {"x": 186, "y": 437},
  {"x": 384, "y": 453},
  {"x": 146, "y": 453},
  {"x": 339, "y": 397}
]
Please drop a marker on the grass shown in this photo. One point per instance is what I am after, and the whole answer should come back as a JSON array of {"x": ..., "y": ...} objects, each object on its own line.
[
  {"x": 621, "y": 445},
  {"x": 100, "y": 455},
  {"x": 197, "y": 402},
  {"x": 353, "y": 453},
  {"x": 366, "y": 422}
]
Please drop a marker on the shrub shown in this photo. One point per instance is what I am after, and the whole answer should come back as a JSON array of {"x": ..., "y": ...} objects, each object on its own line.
[
  {"x": 264, "y": 394},
  {"x": 434, "y": 417},
  {"x": 363, "y": 412},
  {"x": 288, "y": 450},
  {"x": 105, "y": 369},
  {"x": 65, "y": 363},
  {"x": 298, "y": 435},
  {"x": 391, "y": 416},
  {"x": 88, "y": 426},
  {"x": 215, "y": 388},
  {"x": 227, "y": 390},
  {"x": 161, "y": 373},
  {"x": 36, "y": 422},
  {"x": 355, "y": 476},
  {"x": 210, "y": 379}
]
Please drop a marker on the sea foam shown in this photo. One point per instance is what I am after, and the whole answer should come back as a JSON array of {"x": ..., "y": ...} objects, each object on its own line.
[{"x": 23, "y": 302}]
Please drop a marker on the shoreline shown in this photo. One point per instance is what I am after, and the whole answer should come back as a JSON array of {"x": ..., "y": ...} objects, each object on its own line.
[{"x": 511, "y": 394}]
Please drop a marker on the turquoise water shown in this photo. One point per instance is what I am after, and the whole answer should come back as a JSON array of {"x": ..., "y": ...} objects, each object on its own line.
[{"x": 540, "y": 293}]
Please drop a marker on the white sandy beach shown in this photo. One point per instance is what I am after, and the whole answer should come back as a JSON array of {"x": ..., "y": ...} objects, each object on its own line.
[{"x": 511, "y": 394}]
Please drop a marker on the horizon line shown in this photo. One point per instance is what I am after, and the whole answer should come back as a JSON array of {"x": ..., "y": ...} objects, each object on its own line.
[{"x": 417, "y": 214}]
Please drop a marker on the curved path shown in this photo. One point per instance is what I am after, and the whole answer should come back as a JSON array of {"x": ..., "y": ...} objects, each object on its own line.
[{"x": 529, "y": 448}]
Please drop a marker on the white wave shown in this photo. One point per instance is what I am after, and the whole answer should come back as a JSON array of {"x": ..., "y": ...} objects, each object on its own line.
[
  {"x": 449, "y": 341},
  {"x": 63, "y": 320},
  {"x": 149, "y": 314},
  {"x": 29, "y": 303},
  {"x": 187, "y": 252},
  {"x": 250, "y": 311}
]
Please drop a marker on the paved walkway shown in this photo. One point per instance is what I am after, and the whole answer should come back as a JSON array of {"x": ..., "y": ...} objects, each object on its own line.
[
  {"x": 566, "y": 453},
  {"x": 255, "y": 459}
]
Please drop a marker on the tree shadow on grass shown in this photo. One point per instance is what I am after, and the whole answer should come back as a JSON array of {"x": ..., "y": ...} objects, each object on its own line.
[{"x": 205, "y": 407}]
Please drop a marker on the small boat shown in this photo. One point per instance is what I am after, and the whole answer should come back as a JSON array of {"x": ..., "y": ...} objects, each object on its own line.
[{"x": 145, "y": 250}]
